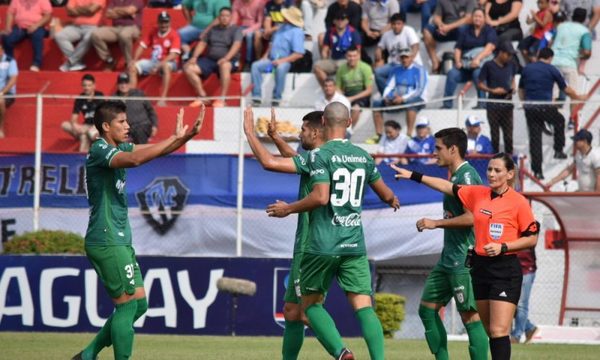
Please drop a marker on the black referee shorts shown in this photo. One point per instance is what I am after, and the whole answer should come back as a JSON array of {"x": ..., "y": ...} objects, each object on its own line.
[{"x": 497, "y": 278}]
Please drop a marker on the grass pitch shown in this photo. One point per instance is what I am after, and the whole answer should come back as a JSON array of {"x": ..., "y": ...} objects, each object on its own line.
[{"x": 49, "y": 346}]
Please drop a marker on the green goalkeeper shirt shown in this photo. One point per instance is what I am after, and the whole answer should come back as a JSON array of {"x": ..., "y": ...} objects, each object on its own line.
[
  {"x": 108, "y": 223},
  {"x": 336, "y": 228},
  {"x": 457, "y": 241}
]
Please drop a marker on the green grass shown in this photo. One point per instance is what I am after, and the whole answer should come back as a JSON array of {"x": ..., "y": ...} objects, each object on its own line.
[{"x": 62, "y": 346}]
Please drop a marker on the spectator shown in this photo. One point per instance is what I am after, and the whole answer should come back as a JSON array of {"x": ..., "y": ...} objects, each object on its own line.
[
  {"x": 503, "y": 16},
  {"x": 477, "y": 143},
  {"x": 249, "y": 16},
  {"x": 86, "y": 16},
  {"x": 287, "y": 47},
  {"x": 522, "y": 323},
  {"x": 407, "y": 85},
  {"x": 421, "y": 144},
  {"x": 587, "y": 163},
  {"x": 355, "y": 80},
  {"x": 27, "y": 19},
  {"x": 309, "y": 8},
  {"x": 86, "y": 133},
  {"x": 351, "y": 8},
  {"x": 497, "y": 78},
  {"x": 572, "y": 45},
  {"x": 126, "y": 16},
  {"x": 200, "y": 15},
  {"x": 592, "y": 8},
  {"x": 543, "y": 23},
  {"x": 166, "y": 48},
  {"x": 474, "y": 46},
  {"x": 330, "y": 94},
  {"x": 536, "y": 83},
  {"x": 272, "y": 21},
  {"x": 426, "y": 7},
  {"x": 141, "y": 116},
  {"x": 337, "y": 41},
  {"x": 449, "y": 15},
  {"x": 375, "y": 21},
  {"x": 393, "y": 142},
  {"x": 400, "y": 36},
  {"x": 8, "y": 85},
  {"x": 223, "y": 42}
]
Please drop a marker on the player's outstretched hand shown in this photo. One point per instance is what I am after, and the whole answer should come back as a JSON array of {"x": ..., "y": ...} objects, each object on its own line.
[
  {"x": 199, "y": 121},
  {"x": 425, "y": 224},
  {"x": 272, "y": 130},
  {"x": 180, "y": 129},
  {"x": 278, "y": 209},
  {"x": 248, "y": 120},
  {"x": 395, "y": 203},
  {"x": 401, "y": 173}
]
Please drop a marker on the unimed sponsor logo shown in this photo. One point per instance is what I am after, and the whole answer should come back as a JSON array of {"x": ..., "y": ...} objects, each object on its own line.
[
  {"x": 350, "y": 220},
  {"x": 349, "y": 159}
]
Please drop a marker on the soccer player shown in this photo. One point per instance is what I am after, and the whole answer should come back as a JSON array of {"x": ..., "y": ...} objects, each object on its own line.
[
  {"x": 311, "y": 137},
  {"x": 336, "y": 245},
  {"x": 108, "y": 239},
  {"x": 503, "y": 224},
  {"x": 450, "y": 278}
]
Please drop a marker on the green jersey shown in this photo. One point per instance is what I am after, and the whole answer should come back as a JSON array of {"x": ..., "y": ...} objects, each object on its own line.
[
  {"x": 301, "y": 162},
  {"x": 336, "y": 228},
  {"x": 109, "y": 223},
  {"x": 457, "y": 241}
]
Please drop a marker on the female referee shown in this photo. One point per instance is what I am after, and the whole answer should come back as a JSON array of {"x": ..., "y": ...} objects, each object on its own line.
[{"x": 503, "y": 223}]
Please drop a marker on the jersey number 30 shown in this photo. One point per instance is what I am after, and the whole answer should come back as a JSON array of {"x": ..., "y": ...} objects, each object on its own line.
[{"x": 349, "y": 187}]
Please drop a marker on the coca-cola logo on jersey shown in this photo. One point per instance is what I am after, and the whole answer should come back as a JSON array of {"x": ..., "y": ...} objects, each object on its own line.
[{"x": 350, "y": 220}]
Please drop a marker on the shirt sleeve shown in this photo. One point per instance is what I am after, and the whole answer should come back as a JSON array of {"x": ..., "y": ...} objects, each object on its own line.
[
  {"x": 45, "y": 6},
  {"x": 13, "y": 69},
  {"x": 298, "y": 41},
  {"x": 483, "y": 74},
  {"x": 101, "y": 154},
  {"x": 586, "y": 41},
  {"x": 238, "y": 37},
  {"x": 327, "y": 39},
  {"x": 301, "y": 163},
  {"x": 319, "y": 171},
  {"x": 468, "y": 195},
  {"x": 525, "y": 217},
  {"x": 490, "y": 35},
  {"x": 367, "y": 74},
  {"x": 356, "y": 38},
  {"x": 77, "y": 106},
  {"x": 374, "y": 173}
]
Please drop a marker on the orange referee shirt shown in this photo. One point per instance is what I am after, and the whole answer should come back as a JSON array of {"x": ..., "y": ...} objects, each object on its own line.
[{"x": 496, "y": 218}]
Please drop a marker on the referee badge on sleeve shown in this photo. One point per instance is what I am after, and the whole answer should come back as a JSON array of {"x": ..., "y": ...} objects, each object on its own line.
[{"x": 496, "y": 230}]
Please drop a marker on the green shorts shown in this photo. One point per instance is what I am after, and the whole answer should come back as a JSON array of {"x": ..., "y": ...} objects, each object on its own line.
[
  {"x": 116, "y": 267},
  {"x": 292, "y": 292},
  {"x": 441, "y": 286},
  {"x": 353, "y": 273}
]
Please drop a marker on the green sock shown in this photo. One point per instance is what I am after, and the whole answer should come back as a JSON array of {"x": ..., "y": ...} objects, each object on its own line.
[
  {"x": 142, "y": 306},
  {"x": 293, "y": 337},
  {"x": 478, "y": 341},
  {"x": 324, "y": 328},
  {"x": 121, "y": 330},
  {"x": 372, "y": 332},
  {"x": 435, "y": 332},
  {"x": 99, "y": 342}
]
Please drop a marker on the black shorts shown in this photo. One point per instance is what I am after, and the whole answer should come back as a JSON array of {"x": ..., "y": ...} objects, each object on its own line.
[
  {"x": 497, "y": 278},
  {"x": 362, "y": 102}
]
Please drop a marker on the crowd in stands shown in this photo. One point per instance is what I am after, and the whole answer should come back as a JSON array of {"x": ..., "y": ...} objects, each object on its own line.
[{"x": 367, "y": 56}]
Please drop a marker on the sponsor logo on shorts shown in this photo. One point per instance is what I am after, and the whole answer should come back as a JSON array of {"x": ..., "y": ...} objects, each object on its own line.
[
  {"x": 162, "y": 201},
  {"x": 496, "y": 230},
  {"x": 120, "y": 185},
  {"x": 350, "y": 220},
  {"x": 503, "y": 294}
]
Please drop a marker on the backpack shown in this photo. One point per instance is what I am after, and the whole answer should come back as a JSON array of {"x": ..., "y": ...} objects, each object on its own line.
[{"x": 304, "y": 64}]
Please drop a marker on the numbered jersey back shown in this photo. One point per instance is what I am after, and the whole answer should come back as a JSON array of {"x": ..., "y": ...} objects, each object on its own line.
[{"x": 336, "y": 229}]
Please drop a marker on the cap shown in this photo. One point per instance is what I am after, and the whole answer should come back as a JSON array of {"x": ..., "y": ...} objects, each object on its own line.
[
  {"x": 506, "y": 47},
  {"x": 583, "y": 134},
  {"x": 340, "y": 15},
  {"x": 404, "y": 52},
  {"x": 422, "y": 122},
  {"x": 164, "y": 17},
  {"x": 473, "y": 120},
  {"x": 123, "y": 78}
]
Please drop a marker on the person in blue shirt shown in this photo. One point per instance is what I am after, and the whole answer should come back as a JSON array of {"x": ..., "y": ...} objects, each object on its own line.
[
  {"x": 536, "y": 84},
  {"x": 406, "y": 85},
  {"x": 423, "y": 143},
  {"x": 287, "y": 46},
  {"x": 8, "y": 81},
  {"x": 477, "y": 143},
  {"x": 337, "y": 41}
]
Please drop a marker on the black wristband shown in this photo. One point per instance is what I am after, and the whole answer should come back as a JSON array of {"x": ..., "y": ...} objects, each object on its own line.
[
  {"x": 503, "y": 248},
  {"x": 416, "y": 176}
]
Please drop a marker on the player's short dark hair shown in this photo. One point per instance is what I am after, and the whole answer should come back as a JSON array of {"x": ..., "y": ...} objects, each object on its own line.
[
  {"x": 329, "y": 79},
  {"x": 506, "y": 158},
  {"x": 579, "y": 15},
  {"x": 226, "y": 8},
  {"x": 399, "y": 16},
  {"x": 454, "y": 137},
  {"x": 314, "y": 119},
  {"x": 546, "y": 53},
  {"x": 393, "y": 124},
  {"x": 88, "y": 77},
  {"x": 107, "y": 111},
  {"x": 352, "y": 48}
]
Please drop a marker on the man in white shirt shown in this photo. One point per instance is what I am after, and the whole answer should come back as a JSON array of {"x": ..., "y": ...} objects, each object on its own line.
[
  {"x": 392, "y": 142},
  {"x": 330, "y": 94},
  {"x": 587, "y": 163},
  {"x": 401, "y": 36}
]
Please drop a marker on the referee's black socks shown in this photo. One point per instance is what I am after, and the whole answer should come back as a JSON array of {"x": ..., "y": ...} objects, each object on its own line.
[{"x": 500, "y": 348}]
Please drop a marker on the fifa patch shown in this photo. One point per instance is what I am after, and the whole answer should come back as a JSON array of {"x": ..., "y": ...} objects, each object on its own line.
[
  {"x": 162, "y": 201},
  {"x": 496, "y": 230}
]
